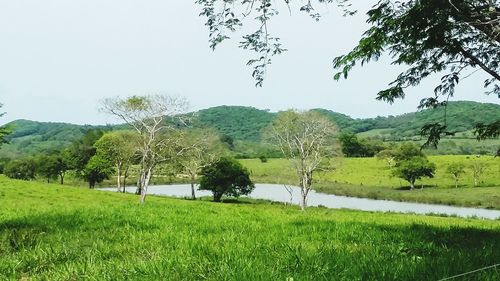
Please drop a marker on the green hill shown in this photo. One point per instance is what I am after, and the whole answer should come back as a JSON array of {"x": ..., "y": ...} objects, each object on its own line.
[
  {"x": 238, "y": 122},
  {"x": 245, "y": 125}
]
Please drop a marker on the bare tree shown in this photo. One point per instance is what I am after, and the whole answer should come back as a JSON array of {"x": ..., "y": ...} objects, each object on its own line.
[
  {"x": 307, "y": 139},
  {"x": 156, "y": 118},
  {"x": 203, "y": 148}
]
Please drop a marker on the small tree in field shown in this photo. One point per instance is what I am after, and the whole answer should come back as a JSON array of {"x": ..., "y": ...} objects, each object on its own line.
[
  {"x": 97, "y": 170},
  {"x": 307, "y": 139},
  {"x": 456, "y": 170},
  {"x": 22, "y": 169},
  {"x": 119, "y": 148},
  {"x": 477, "y": 168},
  {"x": 414, "y": 169},
  {"x": 226, "y": 177}
]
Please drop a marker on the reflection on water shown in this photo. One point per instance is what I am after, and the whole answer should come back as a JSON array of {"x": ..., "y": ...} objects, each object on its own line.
[{"x": 279, "y": 193}]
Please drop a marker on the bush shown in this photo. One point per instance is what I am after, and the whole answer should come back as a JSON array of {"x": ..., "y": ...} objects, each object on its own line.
[
  {"x": 22, "y": 169},
  {"x": 226, "y": 177}
]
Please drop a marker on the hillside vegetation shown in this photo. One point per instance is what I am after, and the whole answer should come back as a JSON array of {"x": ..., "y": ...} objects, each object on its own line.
[
  {"x": 49, "y": 232},
  {"x": 244, "y": 125}
]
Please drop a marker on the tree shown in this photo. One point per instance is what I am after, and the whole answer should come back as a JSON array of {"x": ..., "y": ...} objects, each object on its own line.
[
  {"x": 47, "y": 166},
  {"x": 389, "y": 155},
  {"x": 226, "y": 177},
  {"x": 407, "y": 151},
  {"x": 427, "y": 36},
  {"x": 22, "y": 169},
  {"x": 79, "y": 153},
  {"x": 4, "y": 131},
  {"x": 119, "y": 148},
  {"x": 97, "y": 170},
  {"x": 307, "y": 139},
  {"x": 477, "y": 168},
  {"x": 353, "y": 147},
  {"x": 456, "y": 170},
  {"x": 203, "y": 148},
  {"x": 156, "y": 119},
  {"x": 414, "y": 169}
]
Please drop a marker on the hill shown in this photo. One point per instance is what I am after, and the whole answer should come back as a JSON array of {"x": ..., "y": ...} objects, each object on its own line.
[
  {"x": 75, "y": 234},
  {"x": 245, "y": 125}
]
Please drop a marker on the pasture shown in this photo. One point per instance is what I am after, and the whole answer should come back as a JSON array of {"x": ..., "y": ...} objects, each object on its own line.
[
  {"x": 52, "y": 232},
  {"x": 371, "y": 177}
]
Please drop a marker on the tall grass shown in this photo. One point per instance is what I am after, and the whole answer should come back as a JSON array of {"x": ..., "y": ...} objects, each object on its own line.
[{"x": 49, "y": 232}]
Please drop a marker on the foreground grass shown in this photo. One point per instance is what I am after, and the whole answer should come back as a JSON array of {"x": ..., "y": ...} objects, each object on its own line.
[
  {"x": 371, "y": 178},
  {"x": 49, "y": 232}
]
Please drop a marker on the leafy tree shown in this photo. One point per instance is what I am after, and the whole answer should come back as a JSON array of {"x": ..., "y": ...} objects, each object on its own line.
[
  {"x": 121, "y": 149},
  {"x": 407, "y": 151},
  {"x": 23, "y": 169},
  {"x": 353, "y": 147},
  {"x": 47, "y": 167},
  {"x": 97, "y": 170},
  {"x": 426, "y": 36},
  {"x": 4, "y": 130},
  {"x": 477, "y": 168},
  {"x": 414, "y": 169},
  {"x": 80, "y": 152},
  {"x": 226, "y": 177},
  {"x": 388, "y": 155},
  {"x": 156, "y": 118},
  {"x": 456, "y": 170},
  {"x": 307, "y": 139}
]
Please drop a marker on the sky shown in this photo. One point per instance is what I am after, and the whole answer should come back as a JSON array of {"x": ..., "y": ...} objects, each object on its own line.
[{"x": 59, "y": 59}]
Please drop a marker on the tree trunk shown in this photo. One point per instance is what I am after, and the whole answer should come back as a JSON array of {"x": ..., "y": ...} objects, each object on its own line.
[
  {"x": 119, "y": 177},
  {"x": 475, "y": 181},
  {"x": 193, "y": 195},
  {"x": 412, "y": 185},
  {"x": 145, "y": 183},
  {"x": 125, "y": 175},
  {"x": 456, "y": 183},
  {"x": 61, "y": 176}
]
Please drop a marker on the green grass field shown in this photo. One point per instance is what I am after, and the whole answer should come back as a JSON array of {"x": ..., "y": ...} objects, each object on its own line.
[
  {"x": 370, "y": 177},
  {"x": 51, "y": 232}
]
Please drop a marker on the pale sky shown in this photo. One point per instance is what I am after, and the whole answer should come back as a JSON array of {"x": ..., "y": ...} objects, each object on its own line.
[{"x": 60, "y": 58}]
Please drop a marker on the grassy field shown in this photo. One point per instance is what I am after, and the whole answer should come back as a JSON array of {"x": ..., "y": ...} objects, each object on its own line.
[
  {"x": 370, "y": 177},
  {"x": 51, "y": 232}
]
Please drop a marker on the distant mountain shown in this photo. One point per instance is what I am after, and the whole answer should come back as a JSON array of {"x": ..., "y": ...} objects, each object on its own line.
[{"x": 246, "y": 124}]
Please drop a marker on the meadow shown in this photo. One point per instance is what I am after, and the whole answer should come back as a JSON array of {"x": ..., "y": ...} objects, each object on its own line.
[
  {"x": 371, "y": 178},
  {"x": 53, "y": 232}
]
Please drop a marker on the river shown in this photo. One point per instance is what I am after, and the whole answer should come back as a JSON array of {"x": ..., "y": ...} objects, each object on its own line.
[{"x": 279, "y": 193}]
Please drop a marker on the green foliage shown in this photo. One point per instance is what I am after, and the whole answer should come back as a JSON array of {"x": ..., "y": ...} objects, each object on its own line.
[
  {"x": 456, "y": 170},
  {"x": 353, "y": 147},
  {"x": 80, "y": 152},
  {"x": 235, "y": 122},
  {"x": 51, "y": 167},
  {"x": 414, "y": 169},
  {"x": 96, "y": 170},
  {"x": 23, "y": 169},
  {"x": 226, "y": 177},
  {"x": 50, "y": 232}
]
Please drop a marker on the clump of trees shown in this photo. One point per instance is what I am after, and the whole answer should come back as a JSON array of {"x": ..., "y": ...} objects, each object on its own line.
[{"x": 226, "y": 177}]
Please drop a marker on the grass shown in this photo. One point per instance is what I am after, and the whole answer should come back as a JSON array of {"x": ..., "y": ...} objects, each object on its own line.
[
  {"x": 51, "y": 232},
  {"x": 371, "y": 178}
]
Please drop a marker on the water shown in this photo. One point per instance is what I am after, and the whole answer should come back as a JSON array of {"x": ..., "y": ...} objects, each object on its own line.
[{"x": 278, "y": 193}]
